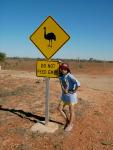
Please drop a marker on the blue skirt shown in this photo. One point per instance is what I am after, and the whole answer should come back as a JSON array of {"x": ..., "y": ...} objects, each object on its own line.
[{"x": 69, "y": 98}]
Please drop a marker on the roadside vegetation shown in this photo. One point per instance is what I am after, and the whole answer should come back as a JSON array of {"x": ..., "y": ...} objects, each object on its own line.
[{"x": 2, "y": 56}]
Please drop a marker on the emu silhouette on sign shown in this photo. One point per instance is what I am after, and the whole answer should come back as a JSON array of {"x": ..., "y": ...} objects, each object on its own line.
[{"x": 49, "y": 36}]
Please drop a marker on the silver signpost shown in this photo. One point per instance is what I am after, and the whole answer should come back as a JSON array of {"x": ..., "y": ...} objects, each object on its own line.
[{"x": 47, "y": 97}]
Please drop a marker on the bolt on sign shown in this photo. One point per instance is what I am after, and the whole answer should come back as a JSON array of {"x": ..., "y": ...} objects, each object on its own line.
[
  {"x": 48, "y": 69},
  {"x": 49, "y": 37}
]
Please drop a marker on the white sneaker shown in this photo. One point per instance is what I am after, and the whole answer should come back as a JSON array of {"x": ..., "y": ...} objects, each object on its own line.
[{"x": 69, "y": 128}]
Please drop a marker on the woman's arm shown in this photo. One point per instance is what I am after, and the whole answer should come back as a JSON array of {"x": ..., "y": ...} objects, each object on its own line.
[
  {"x": 75, "y": 82},
  {"x": 62, "y": 87}
]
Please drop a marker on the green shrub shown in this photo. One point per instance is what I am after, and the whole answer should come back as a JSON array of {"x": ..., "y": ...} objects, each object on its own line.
[{"x": 2, "y": 56}]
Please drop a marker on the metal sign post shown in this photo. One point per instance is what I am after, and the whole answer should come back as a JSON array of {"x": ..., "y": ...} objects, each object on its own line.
[{"x": 47, "y": 97}]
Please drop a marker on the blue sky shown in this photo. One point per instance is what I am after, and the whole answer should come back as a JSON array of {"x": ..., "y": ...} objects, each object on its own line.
[{"x": 88, "y": 22}]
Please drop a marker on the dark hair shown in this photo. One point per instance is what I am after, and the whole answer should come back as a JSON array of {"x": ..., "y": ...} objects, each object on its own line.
[{"x": 64, "y": 66}]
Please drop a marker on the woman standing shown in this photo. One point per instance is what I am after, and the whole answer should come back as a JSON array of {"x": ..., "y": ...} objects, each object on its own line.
[{"x": 69, "y": 85}]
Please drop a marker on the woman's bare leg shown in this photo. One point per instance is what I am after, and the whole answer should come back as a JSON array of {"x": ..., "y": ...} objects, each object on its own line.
[
  {"x": 62, "y": 111},
  {"x": 71, "y": 110},
  {"x": 71, "y": 120}
]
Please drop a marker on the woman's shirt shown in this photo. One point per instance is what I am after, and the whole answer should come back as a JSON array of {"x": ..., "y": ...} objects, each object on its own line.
[{"x": 69, "y": 82}]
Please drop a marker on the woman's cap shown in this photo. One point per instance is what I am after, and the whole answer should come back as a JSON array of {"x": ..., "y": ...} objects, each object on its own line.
[{"x": 64, "y": 66}]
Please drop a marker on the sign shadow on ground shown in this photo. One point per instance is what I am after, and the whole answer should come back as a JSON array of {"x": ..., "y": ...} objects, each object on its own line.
[{"x": 28, "y": 115}]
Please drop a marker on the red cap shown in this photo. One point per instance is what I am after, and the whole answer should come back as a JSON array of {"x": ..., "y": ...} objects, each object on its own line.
[{"x": 64, "y": 66}]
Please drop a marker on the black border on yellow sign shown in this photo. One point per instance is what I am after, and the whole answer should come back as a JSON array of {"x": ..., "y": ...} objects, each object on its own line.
[
  {"x": 47, "y": 61},
  {"x": 59, "y": 47}
]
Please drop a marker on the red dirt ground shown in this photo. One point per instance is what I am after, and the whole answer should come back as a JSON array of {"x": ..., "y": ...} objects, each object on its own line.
[{"x": 22, "y": 103}]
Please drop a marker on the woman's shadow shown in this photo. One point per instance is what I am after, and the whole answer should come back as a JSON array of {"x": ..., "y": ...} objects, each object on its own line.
[{"x": 28, "y": 115}]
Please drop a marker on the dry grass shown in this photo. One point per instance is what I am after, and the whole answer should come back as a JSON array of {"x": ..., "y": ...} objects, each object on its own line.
[{"x": 76, "y": 66}]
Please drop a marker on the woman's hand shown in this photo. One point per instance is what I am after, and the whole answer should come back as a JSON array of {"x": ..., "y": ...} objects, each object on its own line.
[{"x": 65, "y": 91}]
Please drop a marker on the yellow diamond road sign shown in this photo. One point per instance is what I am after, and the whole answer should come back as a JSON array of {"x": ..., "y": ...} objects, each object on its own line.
[{"x": 49, "y": 37}]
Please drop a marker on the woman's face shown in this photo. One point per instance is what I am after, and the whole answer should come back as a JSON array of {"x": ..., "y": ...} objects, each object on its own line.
[{"x": 64, "y": 71}]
